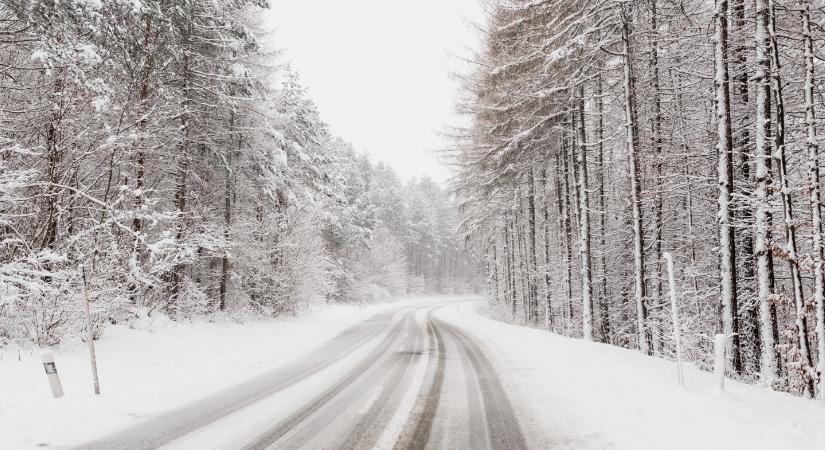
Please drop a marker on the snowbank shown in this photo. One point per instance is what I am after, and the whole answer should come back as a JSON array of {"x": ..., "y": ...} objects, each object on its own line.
[
  {"x": 582, "y": 396},
  {"x": 153, "y": 366}
]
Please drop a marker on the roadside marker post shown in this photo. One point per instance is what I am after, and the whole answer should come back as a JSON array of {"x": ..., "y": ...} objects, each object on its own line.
[
  {"x": 90, "y": 333},
  {"x": 677, "y": 334},
  {"x": 720, "y": 343},
  {"x": 51, "y": 374}
]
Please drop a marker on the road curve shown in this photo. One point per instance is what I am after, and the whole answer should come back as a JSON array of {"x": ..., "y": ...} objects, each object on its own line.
[{"x": 402, "y": 379}]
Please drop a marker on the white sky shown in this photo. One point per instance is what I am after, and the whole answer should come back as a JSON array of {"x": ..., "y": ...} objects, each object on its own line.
[{"x": 379, "y": 71}]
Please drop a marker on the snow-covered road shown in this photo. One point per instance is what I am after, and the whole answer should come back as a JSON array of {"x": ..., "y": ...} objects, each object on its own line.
[
  {"x": 421, "y": 373},
  {"x": 402, "y": 379}
]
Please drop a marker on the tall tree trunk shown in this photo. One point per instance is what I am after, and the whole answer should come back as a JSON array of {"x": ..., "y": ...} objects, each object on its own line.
[
  {"x": 727, "y": 243},
  {"x": 548, "y": 305},
  {"x": 513, "y": 274},
  {"x": 505, "y": 264},
  {"x": 227, "y": 219},
  {"x": 815, "y": 197},
  {"x": 603, "y": 303},
  {"x": 763, "y": 180},
  {"x": 644, "y": 336},
  {"x": 584, "y": 219},
  {"x": 140, "y": 155},
  {"x": 568, "y": 231},
  {"x": 52, "y": 177},
  {"x": 749, "y": 313},
  {"x": 787, "y": 204},
  {"x": 656, "y": 136},
  {"x": 533, "y": 257},
  {"x": 495, "y": 268},
  {"x": 143, "y": 96},
  {"x": 523, "y": 268},
  {"x": 182, "y": 172}
]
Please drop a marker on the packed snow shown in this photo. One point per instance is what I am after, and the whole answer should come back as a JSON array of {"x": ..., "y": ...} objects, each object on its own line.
[
  {"x": 567, "y": 392},
  {"x": 582, "y": 395},
  {"x": 153, "y": 366}
]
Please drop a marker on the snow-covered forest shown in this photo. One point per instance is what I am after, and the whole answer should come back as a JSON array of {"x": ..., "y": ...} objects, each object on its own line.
[
  {"x": 603, "y": 135},
  {"x": 164, "y": 149},
  {"x": 438, "y": 224}
]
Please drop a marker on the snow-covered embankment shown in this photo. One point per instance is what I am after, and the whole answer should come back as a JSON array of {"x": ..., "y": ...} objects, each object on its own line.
[
  {"x": 153, "y": 366},
  {"x": 593, "y": 396}
]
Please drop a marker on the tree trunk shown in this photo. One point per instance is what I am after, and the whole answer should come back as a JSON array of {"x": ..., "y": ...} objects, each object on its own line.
[
  {"x": 513, "y": 300},
  {"x": 533, "y": 257},
  {"x": 644, "y": 336},
  {"x": 584, "y": 220},
  {"x": 815, "y": 197},
  {"x": 787, "y": 206},
  {"x": 548, "y": 308},
  {"x": 727, "y": 243},
  {"x": 176, "y": 277},
  {"x": 603, "y": 303},
  {"x": 140, "y": 155},
  {"x": 568, "y": 231},
  {"x": 656, "y": 127},
  {"x": 227, "y": 222},
  {"x": 495, "y": 268},
  {"x": 763, "y": 181}
]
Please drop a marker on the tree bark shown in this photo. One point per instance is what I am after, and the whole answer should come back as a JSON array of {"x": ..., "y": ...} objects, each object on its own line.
[
  {"x": 727, "y": 243},
  {"x": 603, "y": 303},
  {"x": 644, "y": 337},
  {"x": 656, "y": 136},
  {"x": 584, "y": 219},
  {"x": 814, "y": 197},
  {"x": 548, "y": 305},
  {"x": 763, "y": 181},
  {"x": 568, "y": 231},
  {"x": 533, "y": 257}
]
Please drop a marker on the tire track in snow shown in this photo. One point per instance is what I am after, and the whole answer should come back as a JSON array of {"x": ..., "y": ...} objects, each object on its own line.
[
  {"x": 503, "y": 426},
  {"x": 368, "y": 430},
  {"x": 383, "y": 349},
  {"x": 425, "y": 414},
  {"x": 167, "y": 427},
  {"x": 389, "y": 396}
]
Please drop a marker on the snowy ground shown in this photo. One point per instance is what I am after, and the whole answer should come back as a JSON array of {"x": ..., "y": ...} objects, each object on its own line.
[
  {"x": 565, "y": 393},
  {"x": 593, "y": 396},
  {"x": 151, "y": 368}
]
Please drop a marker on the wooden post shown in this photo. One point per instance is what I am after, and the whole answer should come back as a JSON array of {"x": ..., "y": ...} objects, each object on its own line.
[{"x": 90, "y": 333}]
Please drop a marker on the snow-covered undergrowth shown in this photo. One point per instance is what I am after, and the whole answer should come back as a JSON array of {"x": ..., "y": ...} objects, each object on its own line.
[
  {"x": 153, "y": 366},
  {"x": 594, "y": 396}
]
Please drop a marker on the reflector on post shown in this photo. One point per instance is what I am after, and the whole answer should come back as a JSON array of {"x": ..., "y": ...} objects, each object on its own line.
[{"x": 51, "y": 374}]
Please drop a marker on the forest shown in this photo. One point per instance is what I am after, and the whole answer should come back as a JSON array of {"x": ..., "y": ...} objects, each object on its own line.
[
  {"x": 601, "y": 136},
  {"x": 159, "y": 157}
]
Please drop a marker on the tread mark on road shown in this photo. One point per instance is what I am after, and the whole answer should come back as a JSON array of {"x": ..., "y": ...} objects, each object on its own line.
[
  {"x": 281, "y": 429},
  {"x": 421, "y": 435}
]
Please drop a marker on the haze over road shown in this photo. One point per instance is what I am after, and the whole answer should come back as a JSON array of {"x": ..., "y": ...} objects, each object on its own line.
[{"x": 402, "y": 379}]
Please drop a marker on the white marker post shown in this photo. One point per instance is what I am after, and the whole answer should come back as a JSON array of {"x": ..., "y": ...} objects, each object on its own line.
[
  {"x": 51, "y": 374},
  {"x": 677, "y": 334},
  {"x": 90, "y": 333},
  {"x": 720, "y": 359}
]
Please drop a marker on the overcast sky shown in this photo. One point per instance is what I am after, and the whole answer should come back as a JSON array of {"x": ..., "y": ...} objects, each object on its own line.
[{"x": 379, "y": 70}]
